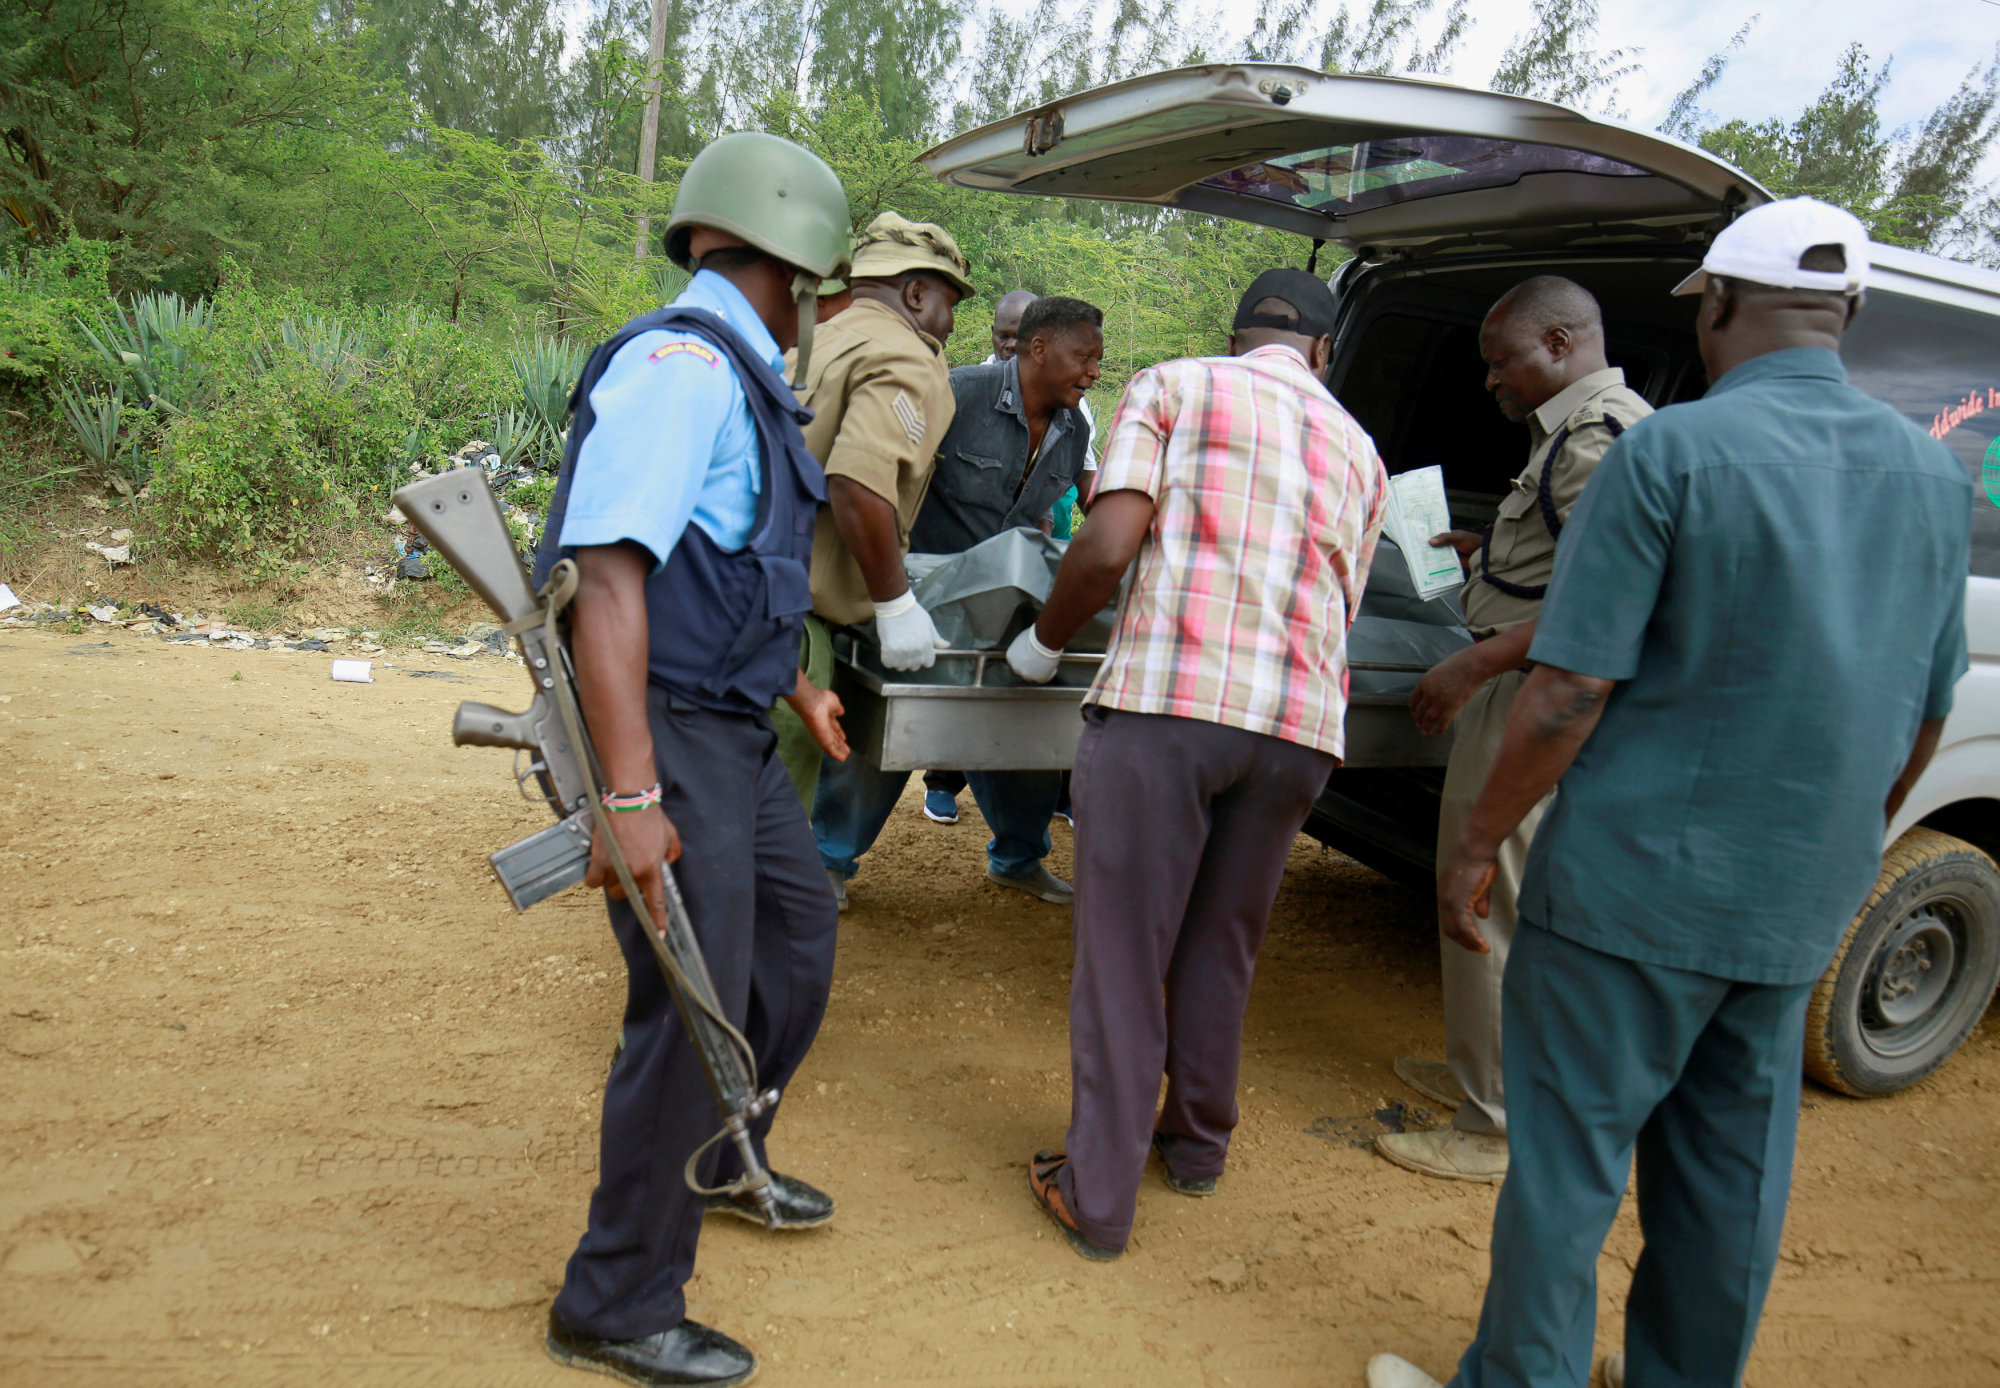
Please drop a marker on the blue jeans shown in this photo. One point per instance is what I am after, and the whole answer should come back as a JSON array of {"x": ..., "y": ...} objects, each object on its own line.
[{"x": 855, "y": 800}]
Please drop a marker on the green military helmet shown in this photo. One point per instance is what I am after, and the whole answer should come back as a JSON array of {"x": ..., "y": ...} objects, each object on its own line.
[{"x": 775, "y": 195}]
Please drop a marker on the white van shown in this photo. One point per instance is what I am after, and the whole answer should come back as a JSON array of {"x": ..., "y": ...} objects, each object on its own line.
[{"x": 1446, "y": 197}]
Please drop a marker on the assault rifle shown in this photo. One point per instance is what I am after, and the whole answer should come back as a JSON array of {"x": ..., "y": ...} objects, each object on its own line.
[{"x": 457, "y": 513}]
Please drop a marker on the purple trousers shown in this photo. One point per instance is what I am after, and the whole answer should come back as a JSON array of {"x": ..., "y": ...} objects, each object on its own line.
[{"x": 1182, "y": 832}]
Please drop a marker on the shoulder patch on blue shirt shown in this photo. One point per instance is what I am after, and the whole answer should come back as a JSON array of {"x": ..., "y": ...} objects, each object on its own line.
[{"x": 699, "y": 351}]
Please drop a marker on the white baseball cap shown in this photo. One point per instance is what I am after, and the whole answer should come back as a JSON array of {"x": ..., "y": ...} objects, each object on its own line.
[{"x": 1765, "y": 246}]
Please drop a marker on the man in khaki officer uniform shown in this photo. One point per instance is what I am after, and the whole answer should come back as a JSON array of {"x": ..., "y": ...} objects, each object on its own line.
[
  {"x": 880, "y": 391},
  {"x": 1543, "y": 344}
]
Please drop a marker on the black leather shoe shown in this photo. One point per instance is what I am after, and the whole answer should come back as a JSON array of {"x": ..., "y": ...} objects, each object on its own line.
[
  {"x": 799, "y": 1205},
  {"x": 688, "y": 1354}
]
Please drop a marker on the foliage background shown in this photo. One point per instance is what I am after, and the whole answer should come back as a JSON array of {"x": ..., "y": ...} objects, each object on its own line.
[{"x": 383, "y": 201}]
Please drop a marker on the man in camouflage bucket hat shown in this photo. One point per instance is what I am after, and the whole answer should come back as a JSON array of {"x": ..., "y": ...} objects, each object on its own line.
[{"x": 880, "y": 391}]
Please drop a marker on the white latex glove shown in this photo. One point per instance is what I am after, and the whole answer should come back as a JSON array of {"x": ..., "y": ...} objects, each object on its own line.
[
  {"x": 909, "y": 638},
  {"x": 1031, "y": 660}
]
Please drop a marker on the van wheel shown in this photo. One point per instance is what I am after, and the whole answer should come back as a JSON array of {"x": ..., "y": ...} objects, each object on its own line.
[{"x": 1915, "y": 973}]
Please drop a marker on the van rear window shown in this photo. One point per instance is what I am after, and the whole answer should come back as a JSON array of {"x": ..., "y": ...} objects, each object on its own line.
[
  {"x": 1340, "y": 179},
  {"x": 1940, "y": 367}
]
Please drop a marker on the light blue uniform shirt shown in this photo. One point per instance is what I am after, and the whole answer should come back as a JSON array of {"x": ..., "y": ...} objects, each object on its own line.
[{"x": 673, "y": 441}]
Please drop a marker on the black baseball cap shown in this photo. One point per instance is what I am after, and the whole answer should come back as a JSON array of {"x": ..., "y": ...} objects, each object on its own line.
[{"x": 1306, "y": 293}]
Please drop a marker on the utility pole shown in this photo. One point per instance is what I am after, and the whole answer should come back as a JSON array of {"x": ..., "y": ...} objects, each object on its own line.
[{"x": 649, "y": 128}]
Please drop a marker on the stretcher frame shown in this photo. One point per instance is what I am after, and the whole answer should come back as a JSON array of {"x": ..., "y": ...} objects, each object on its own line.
[{"x": 978, "y": 717}]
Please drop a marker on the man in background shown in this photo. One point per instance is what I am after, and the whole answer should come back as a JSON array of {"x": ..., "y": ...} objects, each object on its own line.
[
  {"x": 1017, "y": 440},
  {"x": 1006, "y": 334},
  {"x": 941, "y": 788},
  {"x": 1543, "y": 344},
  {"x": 834, "y": 297},
  {"x": 1210, "y": 730},
  {"x": 1007, "y": 324},
  {"x": 1014, "y": 444},
  {"x": 1731, "y": 703},
  {"x": 880, "y": 392}
]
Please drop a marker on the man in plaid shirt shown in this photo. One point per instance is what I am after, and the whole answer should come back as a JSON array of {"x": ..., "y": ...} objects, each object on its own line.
[{"x": 1252, "y": 502}]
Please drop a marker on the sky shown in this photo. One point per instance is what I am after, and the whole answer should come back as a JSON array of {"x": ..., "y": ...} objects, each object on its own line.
[{"x": 1786, "y": 62}]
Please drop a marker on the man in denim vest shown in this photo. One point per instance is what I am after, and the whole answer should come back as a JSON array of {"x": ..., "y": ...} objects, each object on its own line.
[{"x": 1015, "y": 444}]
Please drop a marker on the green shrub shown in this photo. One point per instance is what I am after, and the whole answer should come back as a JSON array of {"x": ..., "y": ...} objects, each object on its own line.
[
  {"x": 534, "y": 495},
  {"x": 313, "y": 416},
  {"x": 241, "y": 481},
  {"x": 275, "y": 413},
  {"x": 40, "y": 301}
]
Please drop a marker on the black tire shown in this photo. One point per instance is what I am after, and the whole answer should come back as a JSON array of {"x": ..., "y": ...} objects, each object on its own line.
[{"x": 1915, "y": 972}]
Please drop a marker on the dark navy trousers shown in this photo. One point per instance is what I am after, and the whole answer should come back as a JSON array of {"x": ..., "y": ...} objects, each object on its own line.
[
  {"x": 1606, "y": 1057},
  {"x": 765, "y": 916}
]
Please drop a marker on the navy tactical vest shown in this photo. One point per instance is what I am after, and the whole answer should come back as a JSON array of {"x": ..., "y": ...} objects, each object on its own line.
[{"x": 723, "y": 625}]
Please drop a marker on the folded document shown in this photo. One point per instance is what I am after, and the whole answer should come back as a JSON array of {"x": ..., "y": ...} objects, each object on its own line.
[{"x": 1417, "y": 510}]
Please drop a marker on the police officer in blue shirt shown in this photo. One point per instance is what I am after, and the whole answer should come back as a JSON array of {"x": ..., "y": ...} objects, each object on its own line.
[
  {"x": 1736, "y": 705},
  {"x": 687, "y": 499}
]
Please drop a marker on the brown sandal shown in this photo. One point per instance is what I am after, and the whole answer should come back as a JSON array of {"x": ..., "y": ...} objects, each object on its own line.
[{"x": 1042, "y": 1184}]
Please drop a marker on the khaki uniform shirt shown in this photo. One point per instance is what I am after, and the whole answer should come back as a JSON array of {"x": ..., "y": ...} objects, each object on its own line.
[
  {"x": 1521, "y": 549},
  {"x": 880, "y": 392}
]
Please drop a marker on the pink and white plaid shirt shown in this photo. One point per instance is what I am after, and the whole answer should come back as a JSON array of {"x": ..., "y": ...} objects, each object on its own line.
[{"x": 1268, "y": 503}]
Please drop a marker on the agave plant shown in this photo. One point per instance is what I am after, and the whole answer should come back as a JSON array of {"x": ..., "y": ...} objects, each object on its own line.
[
  {"x": 156, "y": 347},
  {"x": 514, "y": 434},
  {"x": 98, "y": 418},
  {"x": 337, "y": 351},
  {"x": 668, "y": 281},
  {"x": 547, "y": 369}
]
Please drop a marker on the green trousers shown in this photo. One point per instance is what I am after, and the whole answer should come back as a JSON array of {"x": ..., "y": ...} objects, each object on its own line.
[
  {"x": 796, "y": 748},
  {"x": 1698, "y": 1077}
]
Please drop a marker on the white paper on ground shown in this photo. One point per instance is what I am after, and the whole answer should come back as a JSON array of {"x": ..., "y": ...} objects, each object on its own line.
[
  {"x": 1417, "y": 511},
  {"x": 352, "y": 671},
  {"x": 7, "y": 599}
]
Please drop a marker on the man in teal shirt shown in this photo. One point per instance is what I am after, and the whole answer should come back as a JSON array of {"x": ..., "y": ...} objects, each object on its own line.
[{"x": 1744, "y": 661}]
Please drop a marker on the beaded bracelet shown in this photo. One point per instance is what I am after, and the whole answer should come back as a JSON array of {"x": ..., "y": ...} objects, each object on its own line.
[{"x": 638, "y": 800}]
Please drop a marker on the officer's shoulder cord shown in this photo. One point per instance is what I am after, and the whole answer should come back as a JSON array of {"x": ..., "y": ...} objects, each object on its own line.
[{"x": 1547, "y": 502}]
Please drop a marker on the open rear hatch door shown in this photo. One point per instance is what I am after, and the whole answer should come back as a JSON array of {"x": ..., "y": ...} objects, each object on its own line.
[{"x": 1380, "y": 165}]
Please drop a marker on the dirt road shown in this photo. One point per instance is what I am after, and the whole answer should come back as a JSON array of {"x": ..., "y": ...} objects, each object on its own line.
[{"x": 287, "y": 1095}]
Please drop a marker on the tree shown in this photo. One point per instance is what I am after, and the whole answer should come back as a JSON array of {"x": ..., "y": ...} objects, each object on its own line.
[
  {"x": 657, "y": 24},
  {"x": 897, "y": 54},
  {"x": 1278, "y": 30},
  {"x": 1387, "y": 40},
  {"x": 487, "y": 67},
  {"x": 1685, "y": 119},
  {"x": 1020, "y": 64},
  {"x": 1938, "y": 202},
  {"x": 1557, "y": 59},
  {"x": 606, "y": 85},
  {"x": 148, "y": 123},
  {"x": 1914, "y": 188},
  {"x": 1383, "y": 39}
]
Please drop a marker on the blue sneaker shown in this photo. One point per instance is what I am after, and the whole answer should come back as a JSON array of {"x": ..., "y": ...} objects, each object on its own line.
[{"x": 940, "y": 807}]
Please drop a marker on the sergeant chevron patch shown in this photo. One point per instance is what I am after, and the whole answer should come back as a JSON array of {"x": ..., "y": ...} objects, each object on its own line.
[{"x": 911, "y": 416}]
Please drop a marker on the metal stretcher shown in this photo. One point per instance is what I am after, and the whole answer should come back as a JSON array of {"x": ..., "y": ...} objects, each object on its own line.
[{"x": 970, "y": 713}]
